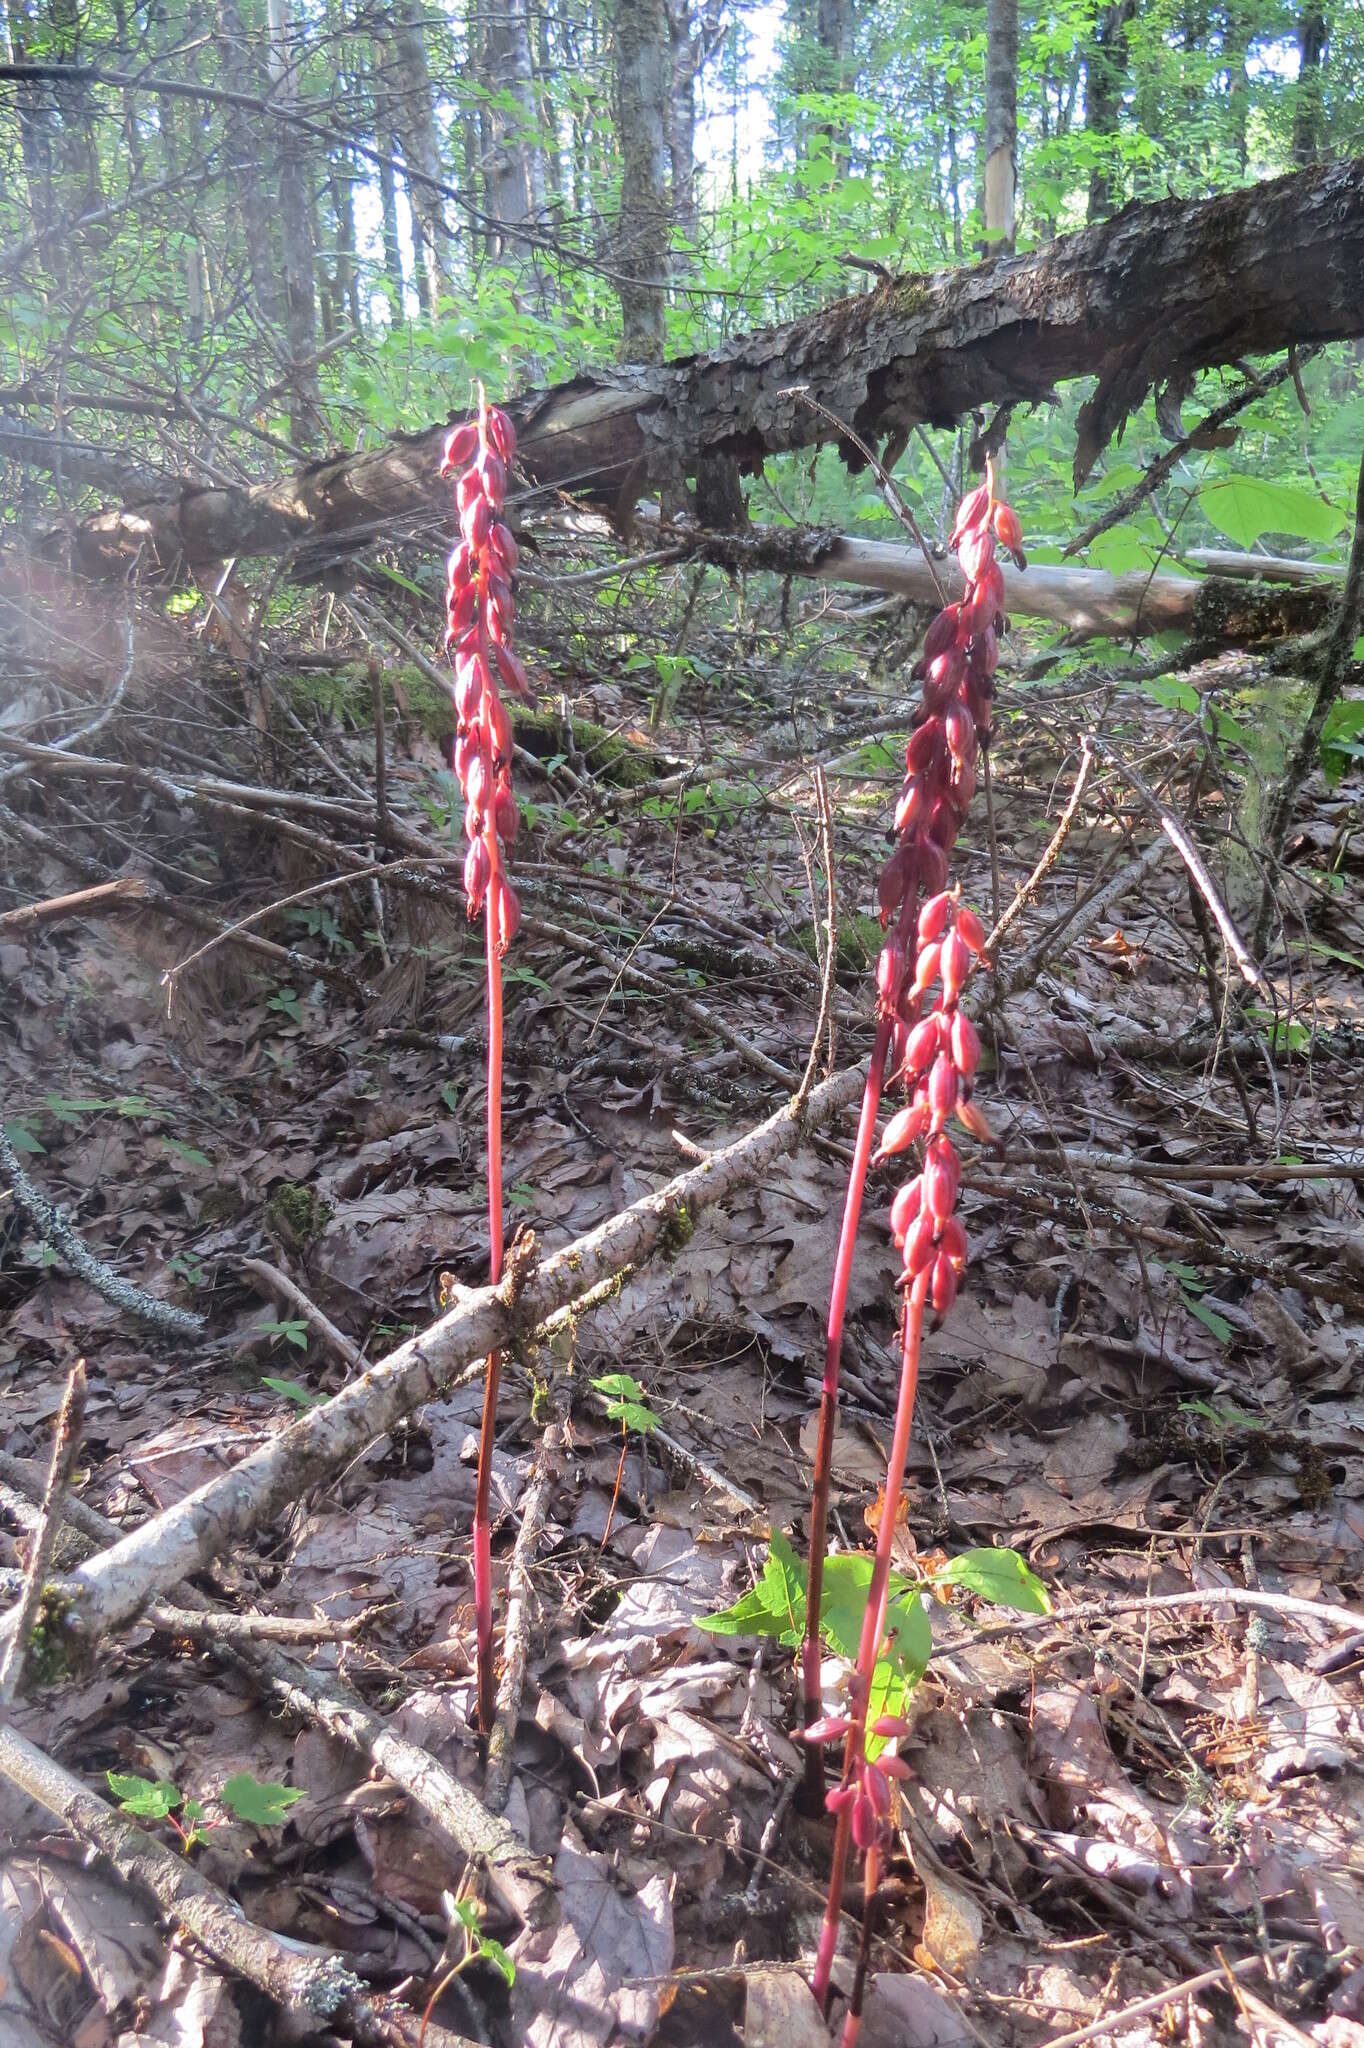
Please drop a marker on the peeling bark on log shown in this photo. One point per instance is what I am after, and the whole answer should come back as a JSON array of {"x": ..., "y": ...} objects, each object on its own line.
[{"x": 1156, "y": 293}]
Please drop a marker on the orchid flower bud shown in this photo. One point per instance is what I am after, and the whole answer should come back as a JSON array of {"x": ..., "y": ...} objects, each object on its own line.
[
  {"x": 959, "y": 730},
  {"x": 506, "y": 817},
  {"x": 832, "y": 1728},
  {"x": 508, "y": 916},
  {"x": 942, "y": 1179},
  {"x": 501, "y": 433},
  {"x": 976, "y": 553},
  {"x": 970, "y": 930},
  {"x": 912, "y": 805},
  {"x": 839, "y": 1797},
  {"x": 920, "y": 1248},
  {"x": 890, "y": 971},
  {"x": 943, "y": 1287},
  {"x": 973, "y": 511},
  {"x": 964, "y": 1044},
  {"x": 925, "y": 747},
  {"x": 942, "y": 1088},
  {"x": 476, "y": 872},
  {"x": 866, "y": 1827},
  {"x": 924, "y": 1041},
  {"x": 932, "y": 866},
  {"x": 904, "y": 1209},
  {"x": 972, "y": 1118},
  {"x": 953, "y": 1241},
  {"x": 956, "y": 965},
  {"x": 902, "y": 1130},
  {"x": 933, "y": 917},
  {"x": 460, "y": 444},
  {"x": 942, "y": 633}
]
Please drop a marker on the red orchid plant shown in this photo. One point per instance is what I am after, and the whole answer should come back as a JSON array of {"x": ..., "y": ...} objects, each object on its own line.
[
  {"x": 925, "y": 1039},
  {"x": 478, "y": 633}
]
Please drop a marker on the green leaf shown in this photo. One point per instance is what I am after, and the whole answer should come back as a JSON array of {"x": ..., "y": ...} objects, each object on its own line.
[
  {"x": 634, "y": 1416},
  {"x": 1173, "y": 694},
  {"x": 1220, "y": 1327},
  {"x": 147, "y": 1798},
  {"x": 620, "y": 1386},
  {"x": 449, "y": 1095},
  {"x": 22, "y": 1138},
  {"x": 1340, "y": 737},
  {"x": 295, "y": 1331},
  {"x": 494, "y": 1953},
  {"x": 999, "y": 1576},
  {"x": 847, "y": 1578},
  {"x": 774, "y": 1607},
  {"x": 291, "y": 1390},
  {"x": 265, "y": 1806},
  {"x": 190, "y": 1153},
  {"x": 1247, "y": 507}
]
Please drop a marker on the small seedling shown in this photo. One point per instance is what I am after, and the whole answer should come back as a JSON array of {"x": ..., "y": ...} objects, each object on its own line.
[
  {"x": 626, "y": 1405},
  {"x": 250, "y": 1799},
  {"x": 465, "y": 1916}
]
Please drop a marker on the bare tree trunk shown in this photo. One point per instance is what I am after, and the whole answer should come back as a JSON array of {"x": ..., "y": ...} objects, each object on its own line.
[
  {"x": 245, "y": 142},
  {"x": 341, "y": 175},
  {"x": 1001, "y": 122},
  {"x": 388, "y": 192},
  {"x": 642, "y": 242},
  {"x": 300, "y": 299},
  {"x": 415, "y": 120},
  {"x": 1105, "y": 78},
  {"x": 1307, "y": 107},
  {"x": 516, "y": 167}
]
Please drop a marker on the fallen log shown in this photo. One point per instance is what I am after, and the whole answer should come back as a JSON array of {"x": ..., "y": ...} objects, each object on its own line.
[
  {"x": 1156, "y": 294},
  {"x": 1222, "y": 611}
]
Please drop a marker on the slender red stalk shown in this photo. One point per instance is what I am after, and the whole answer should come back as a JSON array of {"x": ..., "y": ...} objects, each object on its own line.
[
  {"x": 828, "y": 1404},
  {"x": 937, "y": 1055},
  {"x": 483, "y": 1563},
  {"x": 479, "y": 612},
  {"x": 873, "y": 1625}
]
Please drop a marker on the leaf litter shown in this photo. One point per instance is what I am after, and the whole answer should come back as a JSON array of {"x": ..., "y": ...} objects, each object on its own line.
[{"x": 1147, "y": 1387}]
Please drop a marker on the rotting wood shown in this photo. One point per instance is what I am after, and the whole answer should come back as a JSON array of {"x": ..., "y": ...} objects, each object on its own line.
[{"x": 1161, "y": 291}]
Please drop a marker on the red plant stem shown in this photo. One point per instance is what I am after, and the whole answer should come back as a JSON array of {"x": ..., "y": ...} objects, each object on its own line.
[
  {"x": 852, "y": 2020},
  {"x": 873, "y": 1621},
  {"x": 811, "y": 1653},
  {"x": 483, "y": 1566}
]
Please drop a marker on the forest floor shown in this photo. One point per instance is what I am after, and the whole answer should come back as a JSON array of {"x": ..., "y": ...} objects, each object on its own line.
[{"x": 1148, "y": 1386}]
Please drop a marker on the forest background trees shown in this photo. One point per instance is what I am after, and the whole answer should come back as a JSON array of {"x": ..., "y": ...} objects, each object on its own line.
[{"x": 229, "y": 240}]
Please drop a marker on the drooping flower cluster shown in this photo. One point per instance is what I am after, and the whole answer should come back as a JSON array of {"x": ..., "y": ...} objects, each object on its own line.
[
  {"x": 865, "y": 1794},
  {"x": 479, "y": 610},
  {"x": 931, "y": 939},
  {"x": 937, "y": 1054}
]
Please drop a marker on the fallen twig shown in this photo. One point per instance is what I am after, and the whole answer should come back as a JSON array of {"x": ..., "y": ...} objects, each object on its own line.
[
  {"x": 319, "y": 1984},
  {"x": 282, "y": 1288},
  {"x": 520, "y": 1882},
  {"x": 50, "y": 1224},
  {"x": 186, "y": 1536},
  {"x": 516, "y": 1631},
  {"x": 66, "y": 1442},
  {"x": 104, "y": 899},
  {"x": 1289, "y": 1604}
]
